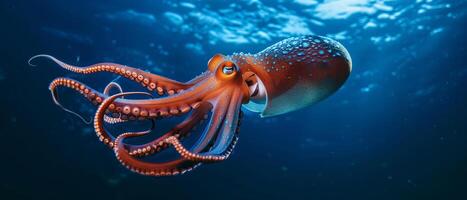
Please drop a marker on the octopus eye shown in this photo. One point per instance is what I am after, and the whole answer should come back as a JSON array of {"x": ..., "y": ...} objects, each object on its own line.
[{"x": 227, "y": 70}]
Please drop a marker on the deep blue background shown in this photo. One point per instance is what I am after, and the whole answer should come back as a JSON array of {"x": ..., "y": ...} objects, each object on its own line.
[{"x": 396, "y": 130}]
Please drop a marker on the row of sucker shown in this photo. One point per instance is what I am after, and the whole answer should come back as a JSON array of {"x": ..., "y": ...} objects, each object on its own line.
[
  {"x": 113, "y": 120},
  {"x": 124, "y": 112},
  {"x": 176, "y": 167},
  {"x": 92, "y": 95},
  {"x": 152, "y": 82},
  {"x": 179, "y": 132}
]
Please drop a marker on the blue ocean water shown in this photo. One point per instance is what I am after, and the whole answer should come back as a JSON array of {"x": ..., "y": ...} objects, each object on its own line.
[{"x": 397, "y": 129}]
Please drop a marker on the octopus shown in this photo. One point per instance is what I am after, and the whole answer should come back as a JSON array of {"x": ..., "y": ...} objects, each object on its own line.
[{"x": 287, "y": 76}]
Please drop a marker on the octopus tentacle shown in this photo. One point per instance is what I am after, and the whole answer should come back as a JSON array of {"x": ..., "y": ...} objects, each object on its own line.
[
  {"x": 181, "y": 130},
  {"x": 97, "y": 98},
  {"x": 230, "y": 126},
  {"x": 175, "y": 167},
  {"x": 205, "y": 157},
  {"x": 92, "y": 95},
  {"x": 166, "y": 106},
  {"x": 178, "y": 166},
  {"x": 215, "y": 123},
  {"x": 224, "y": 145},
  {"x": 129, "y": 108},
  {"x": 151, "y": 81}
]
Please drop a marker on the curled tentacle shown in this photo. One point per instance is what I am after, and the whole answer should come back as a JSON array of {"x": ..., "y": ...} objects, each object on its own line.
[
  {"x": 178, "y": 166},
  {"x": 151, "y": 81},
  {"x": 92, "y": 95},
  {"x": 180, "y": 131},
  {"x": 224, "y": 120}
]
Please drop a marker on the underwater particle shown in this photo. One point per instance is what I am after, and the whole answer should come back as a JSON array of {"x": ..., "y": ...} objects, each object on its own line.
[
  {"x": 368, "y": 88},
  {"x": 321, "y": 52},
  {"x": 436, "y": 31},
  {"x": 284, "y": 168},
  {"x": 174, "y": 18},
  {"x": 187, "y": 5}
]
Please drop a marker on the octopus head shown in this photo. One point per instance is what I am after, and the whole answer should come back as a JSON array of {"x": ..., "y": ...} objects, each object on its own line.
[{"x": 293, "y": 73}]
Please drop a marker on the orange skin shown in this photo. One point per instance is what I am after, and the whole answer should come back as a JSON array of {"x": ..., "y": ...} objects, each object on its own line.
[{"x": 287, "y": 76}]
